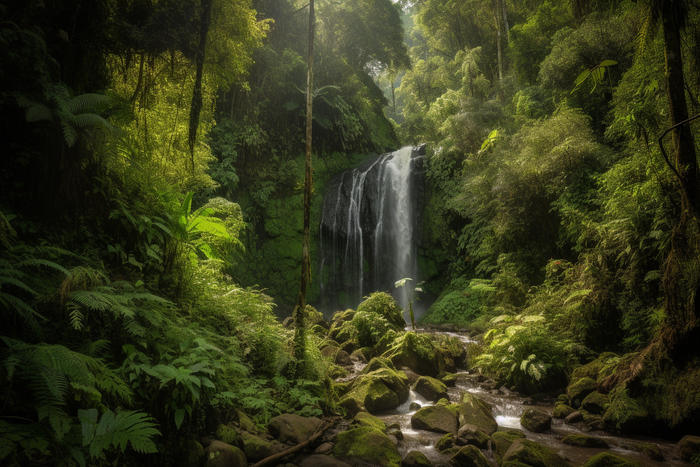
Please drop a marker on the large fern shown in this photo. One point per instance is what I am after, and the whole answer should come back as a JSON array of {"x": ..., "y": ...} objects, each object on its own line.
[{"x": 117, "y": 430}]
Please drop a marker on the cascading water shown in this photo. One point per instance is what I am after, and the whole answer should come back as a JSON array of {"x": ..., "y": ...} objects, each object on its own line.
[{"x": 369, "y": 229}]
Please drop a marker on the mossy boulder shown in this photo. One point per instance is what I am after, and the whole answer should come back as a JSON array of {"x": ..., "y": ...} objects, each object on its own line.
[
  {"x": 469, "y": 456},
  {"x": 220, "y": 454},
  {"x": 257, "y": 449},
  {"x": 689, "y": 447},
  {"x": 536, "y": 420},
  {"x": 192, "y": 454},
  {"x": 369, "y": 420},
  {"x": 533, "y": 454},
  {"x": 562, "y": 410},
  {"x": 384, "y": 305},
  {"x": 595, "y": 403},
  {"x": 293, "y": 428},
  {"x": 359, "y": 356},
  {"x": 352, "y": 406},
  {"x": 448, "y": 379},
  {"x": 599, "y": 369},
  {"x": 321, "y": 460},
  {"x": 378, "y": 363},
  {"x": 343, "y": 333},
  {"x": 474, "y": 411},
  {"x": 416, "y": 459},
  {"x": 471, "y": 434},
  {"x": 579, "y": 389},
  {"x": 649, "y": 450},
  {"x": 501, "y": 441},
  {"x": 381, "y": 389},
  {"x": 430, "y": 388},
  {"x": 626, "y": 413},
  {"x": 416, "y": 352},
  {"x": 435, "y": 418},
  {"x": 446, "y": 442},
  {"x": 226, "y": 434},
  {"x": 366, "y": 445},
  {"x": 584, "y": 441},
  {"x": 605, "y": 459}
]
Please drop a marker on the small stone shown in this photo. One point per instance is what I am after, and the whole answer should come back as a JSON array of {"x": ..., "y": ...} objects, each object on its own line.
[
  {"x": 416, "y": 459},
  {"x": 584, "y": 441},
  {"x": 325, "y": 448},
  {"x": 574, "y": 417},
  {"x": 469, "y": 456},
  {"x": 414, "y": 406},
  {"x": 562, "y": 410}
]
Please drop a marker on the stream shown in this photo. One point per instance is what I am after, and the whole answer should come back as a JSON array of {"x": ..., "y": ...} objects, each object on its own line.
[{"x": 507, "y": 408}]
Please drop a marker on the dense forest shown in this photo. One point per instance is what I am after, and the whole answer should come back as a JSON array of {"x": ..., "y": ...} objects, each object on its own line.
[{"x": 152, "y": 227}]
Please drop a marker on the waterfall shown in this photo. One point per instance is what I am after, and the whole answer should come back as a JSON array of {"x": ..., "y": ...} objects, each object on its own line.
[{"x": 368, "y": 231}]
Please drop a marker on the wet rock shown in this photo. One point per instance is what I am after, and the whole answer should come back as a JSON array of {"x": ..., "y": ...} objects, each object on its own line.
[
  {"x": 573, "y": 417},
  {"x": 368, "y": 420},
  {"x": 414, "y": 406},
  {"x": 584, "y": 441},
  {"x": 578, "y": 390},
  {"x": 597, "y": 425},
  {"x": 436, "y": 418},
  {"x": 411, "y": 375},
  {"x": 689, "y": 447},
  {"x": 366, "y": 445},
  {"x": 321, "y": 460},
  {"x": 605, "y": 459},
  {"x": 396, "y": 433},
  {"x": 220, "y": 454},
  {"x": 533, "y": 454},
  {"x": 536, "y": 420},
  {"x": 430, "y": 388},
  {"x": 226, "y": 434},
  {"x": 446, "y": 442},
  {"x": 648, "y": 450},
  {"x": 501, "y": 441},
  {"x": 336, "y": 355},
  {"x": 256, "y": 448},
  {"x": 416, "y": 459},
  {"x": 474, "y": 411},
  {"x": 325, "y": 448},
  {"x": 595, "y": 402},
  {"x": 448, "y": 379},
  {"x": 293, "y": 428},
  {"x": 562, "y": 410},
  {"x": 469, "y": 456},
  {"x": 471, "y": 434}
]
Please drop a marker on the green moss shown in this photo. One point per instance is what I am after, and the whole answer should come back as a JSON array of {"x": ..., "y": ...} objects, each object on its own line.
[
  {"x": 378, "y": 363},
  {"x": 226, "y": 434},
  {"x": 502, "y": 441},
  {"x": 474, "y": 411},
  {"x": 533, "y": 454},
  {"x": 385, "y": 306},
  {"x": 584, "y": 441},
  {"x": 579, "y": 389},
  {"x": 446, "y": 442},
  {"x": 562, "y": 410},
  {"x": 595, "y": 402},
  {"x": 605, "y": 459},
  {"x": 624, "y": 412},
  {"x": 368, "y": 420},
  {"x": 430, "y": 388},
  {"x": 435, "y": 418},
  {"x": 416, "y": 459},
  {"x": 368, "y": 445},
  {"x": 469, "y": 455}
]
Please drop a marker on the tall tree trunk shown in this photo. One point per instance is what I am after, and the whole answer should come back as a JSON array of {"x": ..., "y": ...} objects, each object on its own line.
[
  {"x": 505, "y": 20},
  {"x": 496, "y": 4},
  {"x": 196, "y": 107},
  {"x": 299, "y": 311},
  {"x": 680, "y": 286}
]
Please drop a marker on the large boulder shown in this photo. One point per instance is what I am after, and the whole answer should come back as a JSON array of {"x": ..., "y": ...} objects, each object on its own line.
[
  {"x": 366, "y": 445},
  {"x": 293, "y": 428},
  {"x": 417, "y": 352},
  {"x": 257, "y": 449},
  {"x": 366, "y": 419},
  {"x": 579, "y": 389},
  {"x": 416, "y": 459},
  {"x": 220, "y": 454},
  {"x": 501, "y": 441},
  {"x": 385, "y": 306},
  {"x": 605, "y": 459},
  {"x": 474, "y": 411},
  {"x": 469, "y": 456},
  {"x": 430, "y": 388},
  {"x": 471, "y": 434},
  {"x": 191, "y": 454},
  {"x": 595, "y": 403},
  {"x": 584, "y": 441},
  {"x": 381, "y": 389},
  {"x": 226, "y": 434},
  {"x": 536, "y": 420},
  {"x": 533, "y": 454},
  {"x": 446, "y": 442},
  {"x": 322, "y": 460},
  {"x": 689, "y": 447},
  {"x": 435, "y": 418}
]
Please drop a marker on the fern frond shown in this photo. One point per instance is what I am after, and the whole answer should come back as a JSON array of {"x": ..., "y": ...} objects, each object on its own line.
[
  {"x": 75, "y": 316},
  {"x": 88, "y": 119},
  {"x": 117, "y": 431},
  {"x": 86, "y": 101},
  {"x": 26, "y": 313},
  {"x": 7, "y": 233},
  {"x": 70, "y": 134},
  {"x": 36, "y": 262},
  {"x": 38, "y": 113}
]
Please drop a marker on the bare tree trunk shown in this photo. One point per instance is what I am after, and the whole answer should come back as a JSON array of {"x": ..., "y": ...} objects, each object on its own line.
[
  {"x": 299, "y": 311},
  {"x": 505, "y": 20}
]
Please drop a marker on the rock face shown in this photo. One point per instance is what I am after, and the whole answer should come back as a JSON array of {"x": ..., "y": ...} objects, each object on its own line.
[
  {"x": 435, "y": 418},
  {"x": 430, "y": 388},
  {"x": 474, "y": 411},
  {"x": 471, "y": 434},
  {"x": 293, "y": 428},
  {"x": 689, "y": 447},
  {"x": 416, "y": 459},
  {"x": 533, "y": 454},
  {"x": 501, "y": 441},
  {"x": 584, "y": 441},
  {"x": 605, "y": 459},
  {"x": 469, "y": 456},
  {"x": 220, "y": 454},
  {"x": 536, "y": 420},
  {"x": 366, "y": 445}
]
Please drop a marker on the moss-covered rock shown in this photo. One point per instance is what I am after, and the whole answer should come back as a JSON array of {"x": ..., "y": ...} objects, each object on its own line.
[
  {"x": 430, "y": 388},
  {"x": 321, "y": 460},
  {"x": 689, "y": 447},
  {"x": 336, "y": 371},
  {"x": 474, "y": 411},
  {"x": 649, "y": 450},
  {"x": 257, "y": 449},
  {"x": 605, "y": 459},
  {"x": 562, "y": 410},
  {"x": 436, "y": 418},
  {"x": 471, "y": 434},
  {"x": 384, "y": 305},
  {"x": 446, "y": 442},
  {"x": 417, "y": 352},
  {"x": 359, "y": 356},
  {"x": 536, "y": 420},
  {"x": 293, "y": 428},
  {"x": 342, "y": 316},
  {"x": 369, "y": 420},
  {"x": 579, "y": 389},
  {"x": 368, "y": 445},
  {"x": 416, "y": 459},
  {"x": 226, "y": 434},
  {"x": 533, "y": 454},
  {"x": 501, "y": 442},
  {"x": 373, "y": 395},
  {"x": 336, "y": 355},
  {"x": 378, "y": 363},
  {"x": 448, "y": 379},
  {"x": 220, "y": 454},
  {"x": 191, "y": 454},
  {"x": 352, "y": 406},
  {"x": 469, "y": 456},
  {"x": 626, "y": 413},
  {"x": 584, "y": 441},
  {"x": 595, "y": 402}
]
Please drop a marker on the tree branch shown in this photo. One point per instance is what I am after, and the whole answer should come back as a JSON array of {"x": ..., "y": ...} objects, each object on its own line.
[
  {"x": 319, "y": 431},
  {"x": 663, "y": 151}
]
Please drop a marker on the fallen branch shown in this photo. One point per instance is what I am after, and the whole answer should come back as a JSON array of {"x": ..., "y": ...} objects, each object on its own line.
[{"x": 319, "y": 431}]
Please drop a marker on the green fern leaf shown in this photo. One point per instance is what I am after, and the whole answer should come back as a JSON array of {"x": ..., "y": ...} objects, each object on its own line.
[
  {"x": 83, "y": 102},
  {"x": 118, "y": 430}
]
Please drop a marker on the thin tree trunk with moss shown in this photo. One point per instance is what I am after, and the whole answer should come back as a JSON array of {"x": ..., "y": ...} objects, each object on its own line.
[
  {"x": 496, "y": 5},
  {"x": 196, "y": 107},
  {"x": 299, "y": 311}
]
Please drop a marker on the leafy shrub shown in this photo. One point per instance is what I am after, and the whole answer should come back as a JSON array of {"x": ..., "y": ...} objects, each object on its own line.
[
  {"x": 385, "y": 306},
  {"x": 371, "y": 327},
  {"x": 459, "y": 306}
]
